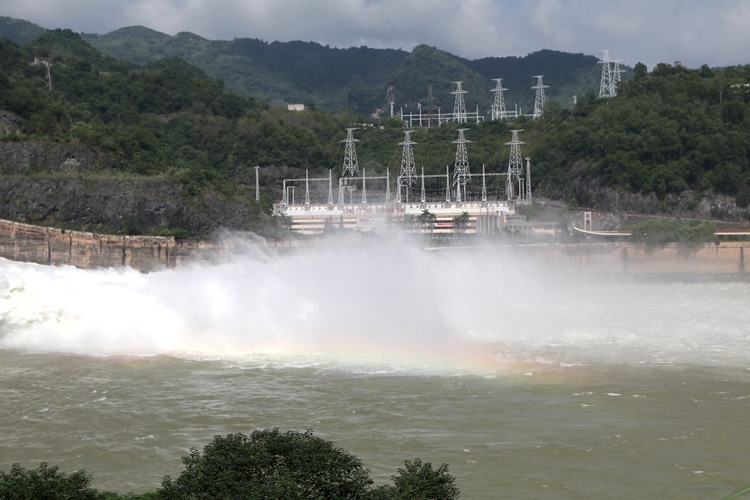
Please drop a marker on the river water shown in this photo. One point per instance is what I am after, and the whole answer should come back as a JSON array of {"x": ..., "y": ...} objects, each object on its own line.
[{"x": 528, "y": 384}]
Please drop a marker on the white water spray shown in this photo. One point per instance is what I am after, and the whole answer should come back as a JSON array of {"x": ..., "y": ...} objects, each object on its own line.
[{"x": 386, "y": 302}]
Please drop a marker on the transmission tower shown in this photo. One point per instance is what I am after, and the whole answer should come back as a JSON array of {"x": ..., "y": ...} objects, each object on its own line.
[
  {"x": 459, "y": 106},
  {"x": 614, "y": 78},
  {"x": 539, "y": 99},
  {"x": 607, "y": 87},
  {"x": 515, "y": 164},
  {"x": 408, "y": 173},
  {"x": 498, "y": 105},
  {"x": 350, "y": 154},
  {"x": 461, "y": 170}
]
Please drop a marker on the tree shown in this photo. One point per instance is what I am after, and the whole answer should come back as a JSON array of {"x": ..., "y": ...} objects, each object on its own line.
[
  {"x": 426, "y": 218},
  {"x": 419, "y": 480},
  {"x": 460, "y": 222},
  {"x": 269, "y": 464},
  {"x": 45, "y": 483},
  {"x": 640, "y": 70}
]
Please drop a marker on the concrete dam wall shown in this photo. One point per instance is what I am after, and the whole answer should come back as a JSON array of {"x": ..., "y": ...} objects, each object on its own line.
[
  {"x": 51, "y": 246},
  {"x": 635, "y": 259},
  {"x": 43, "y": 245}
]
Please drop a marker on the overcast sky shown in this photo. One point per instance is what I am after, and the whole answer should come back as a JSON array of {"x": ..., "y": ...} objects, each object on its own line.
[{"x": 695, "y": 32}]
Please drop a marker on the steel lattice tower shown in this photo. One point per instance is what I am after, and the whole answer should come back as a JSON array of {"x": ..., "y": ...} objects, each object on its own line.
[
  {"x": 350, "y": 154},
  {"x": 408, "y": 171},
  {"x": 498, "y": 105},
  {"x": 614, "y": 78},
  {"x": 539, "y": 99},
  {"x": 606, "y": 86},
  {"x": 459, "y": 106},
  {"x": 515, "y": 163},
  {"x": 461, "y": 170}
]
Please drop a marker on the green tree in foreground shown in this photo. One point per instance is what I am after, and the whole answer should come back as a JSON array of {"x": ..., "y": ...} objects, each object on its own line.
[
  {"x": 419, "y": 480},
  {"x": 268, "y": 464},
  {"x": 45, "y": 483}
]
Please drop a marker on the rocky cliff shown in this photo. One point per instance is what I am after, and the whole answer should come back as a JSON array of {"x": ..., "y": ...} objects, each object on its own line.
[{"x": 70, "y": 186}]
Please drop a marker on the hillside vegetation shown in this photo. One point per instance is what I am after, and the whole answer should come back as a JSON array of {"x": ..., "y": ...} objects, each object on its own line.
[
  {"x": 354, "y": 78},
  {"x": 669, "y": 132}
]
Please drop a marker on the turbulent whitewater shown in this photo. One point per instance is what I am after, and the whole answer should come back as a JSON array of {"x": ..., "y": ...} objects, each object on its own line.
[{"x": 527, "y": 383}]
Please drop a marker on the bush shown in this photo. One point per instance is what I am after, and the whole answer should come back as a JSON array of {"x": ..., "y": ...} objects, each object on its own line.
[
  {"x": 269, "y": 464},
  {"x": 659, "y": 232},
  {"x": 45, "y": 483}
]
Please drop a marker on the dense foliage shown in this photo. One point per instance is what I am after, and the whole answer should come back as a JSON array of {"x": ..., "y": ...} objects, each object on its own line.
[
  {"x": 659, "y": 232},
  {"x": 267, "y": 464},
  {"x": 670, "y": 130},
  {"x": 45, "y": 483},
  {"x": 335, "y": 79}
]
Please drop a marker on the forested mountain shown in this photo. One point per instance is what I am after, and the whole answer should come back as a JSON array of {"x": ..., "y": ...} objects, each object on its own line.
[
  {"x": 338, "y": 79},
  {"x": 109, "y": 126},
  {"x": 355, "y": 78},
  {"x": 18, "y": 30}
]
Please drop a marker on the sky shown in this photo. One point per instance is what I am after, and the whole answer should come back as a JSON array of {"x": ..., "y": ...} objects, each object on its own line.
[{"x": 694, "y": 32}]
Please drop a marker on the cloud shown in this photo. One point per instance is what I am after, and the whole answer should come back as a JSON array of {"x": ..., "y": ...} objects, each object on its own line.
[{"x": 692, "y": 31}]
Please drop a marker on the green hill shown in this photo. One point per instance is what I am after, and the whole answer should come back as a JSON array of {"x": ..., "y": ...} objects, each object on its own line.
[
  {"x": 668, "y": 132},
  {"x": 356, "y": 78},
  {"x": 18, "y": 30},
  {"x": 338, "y": 79}
]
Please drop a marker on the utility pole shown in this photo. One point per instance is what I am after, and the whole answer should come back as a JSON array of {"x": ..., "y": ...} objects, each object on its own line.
[
  {"x": 527, "y": 183},
  {"x": 484, "y": 186},
  {"x": 330, "y": 188},
  {"x": 430, "y": 106},
  {"x": 461, "y": 170},
  {"x": 257, "y": 184},
  {"x": 424, "y": 198},
  {"x": 307, "y": 189},
  {"x": 539, "y": 99},
  {"x": 387, "y": 185},
  {"x": 459, "y": 106},
  {"x": 364, "y": 186}
]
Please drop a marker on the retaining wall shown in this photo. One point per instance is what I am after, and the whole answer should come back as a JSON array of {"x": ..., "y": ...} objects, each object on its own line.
[
  {"x": 43, "y": 245},
  {"x": 726, "y": 258}
]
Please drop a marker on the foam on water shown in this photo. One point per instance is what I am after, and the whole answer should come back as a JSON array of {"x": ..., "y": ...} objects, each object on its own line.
[{"x": 384, "y": 305}]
